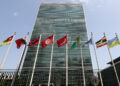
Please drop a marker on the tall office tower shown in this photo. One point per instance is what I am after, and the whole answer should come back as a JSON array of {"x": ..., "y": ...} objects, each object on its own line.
[{"x": 59, "y": 18}]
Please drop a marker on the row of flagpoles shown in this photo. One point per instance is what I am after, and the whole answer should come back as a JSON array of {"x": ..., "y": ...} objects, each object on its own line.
[
  {"x": 110, "y": 43},
  {"x": 62, "y": 41},
  {"x": 49, "y": 40}
]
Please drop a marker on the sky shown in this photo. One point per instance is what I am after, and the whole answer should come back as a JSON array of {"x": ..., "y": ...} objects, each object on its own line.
[{"x": 19, "y": 16}]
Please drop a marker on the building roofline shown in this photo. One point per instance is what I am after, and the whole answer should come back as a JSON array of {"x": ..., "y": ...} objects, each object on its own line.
[
  {"x": 116, "y": 60},
  {"x": 110, "y": 66},
  {"x": 66, "y": 3}
]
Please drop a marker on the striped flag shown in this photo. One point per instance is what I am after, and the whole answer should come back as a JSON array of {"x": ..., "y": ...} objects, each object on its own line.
[
  {"x": 113, "y": 42},
  {"x": 101, "y": 42},
  {"x": 7, "y": 41}
]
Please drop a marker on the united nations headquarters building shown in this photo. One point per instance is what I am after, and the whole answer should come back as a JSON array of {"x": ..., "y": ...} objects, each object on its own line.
[
  {"x": 58, "y": 18},
  {"x": 53, "y": 65}
]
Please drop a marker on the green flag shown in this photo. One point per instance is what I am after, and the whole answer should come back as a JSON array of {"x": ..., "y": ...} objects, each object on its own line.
[
  {"x": 76, "y": 43},
  {"x": 7, "y": 41}
]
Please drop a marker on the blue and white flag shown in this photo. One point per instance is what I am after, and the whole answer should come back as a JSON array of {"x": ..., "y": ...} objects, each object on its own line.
[{"x": 87, "y": 43}]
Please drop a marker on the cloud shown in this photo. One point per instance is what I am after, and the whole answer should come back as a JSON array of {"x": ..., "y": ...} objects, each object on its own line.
[{"x": 15, "y": 14}]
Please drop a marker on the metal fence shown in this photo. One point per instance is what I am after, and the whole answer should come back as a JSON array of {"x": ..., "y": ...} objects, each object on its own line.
[{"x": 6, "y": 78}]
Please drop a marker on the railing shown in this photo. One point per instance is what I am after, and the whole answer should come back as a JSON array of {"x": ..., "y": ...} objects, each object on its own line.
[{"x": 23, "y": 78}]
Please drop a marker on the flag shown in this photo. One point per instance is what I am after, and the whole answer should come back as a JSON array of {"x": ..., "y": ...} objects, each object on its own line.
[
  {"x": 76, "y": 43},
  {"x": 47, "y": 41},
  {"x": 101, "y": 42},
  {"x": 62, "y": 41},
  {"x": 7, "y": 41},
  {"x": 113, "y": 42},
  {"x": 20, "y": 42},
  {"x": 87, "y": 43},
  {"x": 33, "y": 42}
]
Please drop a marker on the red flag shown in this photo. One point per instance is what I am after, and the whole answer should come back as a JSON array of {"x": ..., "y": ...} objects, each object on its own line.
[
  {"x": 62, "y": 41},
  {"x": 9, "y": 39},
  {"x": 33, "y": 42},
  {"x": 20, "y": 42},
  {"x": 47, "y": 41}
]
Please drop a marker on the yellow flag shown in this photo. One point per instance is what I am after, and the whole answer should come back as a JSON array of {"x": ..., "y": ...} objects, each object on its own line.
[{"x": 115, "y": 43}]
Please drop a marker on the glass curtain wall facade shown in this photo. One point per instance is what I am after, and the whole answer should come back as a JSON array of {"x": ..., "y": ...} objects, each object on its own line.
[{"x": 59, "y": 18}]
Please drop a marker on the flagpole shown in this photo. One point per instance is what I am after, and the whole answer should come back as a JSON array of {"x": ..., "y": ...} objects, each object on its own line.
[
  {"x": 113, "y": 64},
  {"x": 66, "y": 63},
  {"x": 36, "y": 56},
  {"x": 51, "y": 62},
  {"x": 117, "y": 37},
  {"x": 6, "y": 54},
  {"x": 19, "y": 62},
  {"x": 23, "y": 50},
  {"x": 82, "y": 62},
  {"x": 97, "y": 60}
]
